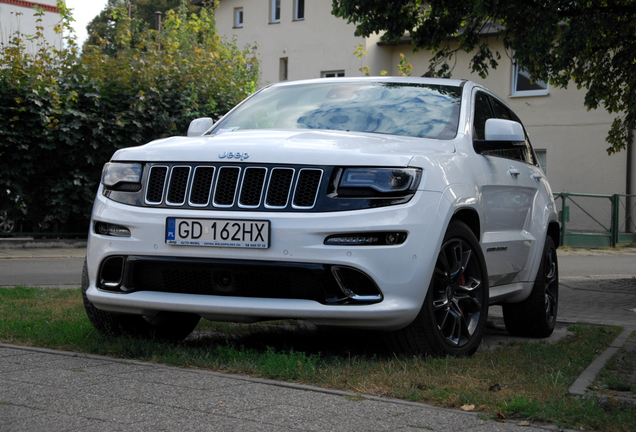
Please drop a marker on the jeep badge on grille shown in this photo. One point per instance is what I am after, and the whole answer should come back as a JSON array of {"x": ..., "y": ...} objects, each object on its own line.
[{"x": 236, "y": 155}]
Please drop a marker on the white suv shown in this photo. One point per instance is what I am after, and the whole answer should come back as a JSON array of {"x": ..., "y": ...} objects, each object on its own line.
[{"x": 403, "y": 204}]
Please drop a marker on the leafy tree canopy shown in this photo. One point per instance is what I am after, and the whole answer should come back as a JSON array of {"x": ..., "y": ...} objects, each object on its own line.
[
  {"x": 143, "y": 17},
  {"x": 591, "y": 43}
]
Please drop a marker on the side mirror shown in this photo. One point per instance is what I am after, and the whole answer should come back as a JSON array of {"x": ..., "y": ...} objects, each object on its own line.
[
  {"x": 501, "y": 135},
  {"x": 199, "y": 126},
  {"x": 504, "y": 130}
]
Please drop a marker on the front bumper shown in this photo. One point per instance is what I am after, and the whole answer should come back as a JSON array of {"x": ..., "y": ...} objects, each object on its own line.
[{"x": 400, "y": 272}]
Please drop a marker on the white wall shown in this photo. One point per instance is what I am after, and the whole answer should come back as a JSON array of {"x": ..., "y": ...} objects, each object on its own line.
[
  {"x": 18, "y": 18},
  {"x": 320, "y": 42}
]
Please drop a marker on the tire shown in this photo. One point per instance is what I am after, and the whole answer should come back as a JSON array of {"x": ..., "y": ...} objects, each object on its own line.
[
  {"x": 166, "y": 326},
  {"x": 536, "y": 316},
  {"x": 7, "y": 223},
  {"x": 454, "y": 313}
]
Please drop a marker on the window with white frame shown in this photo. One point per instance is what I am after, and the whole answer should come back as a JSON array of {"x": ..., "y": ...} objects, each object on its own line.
[
  {"x": 332, "y": 74},
  {"x": 523, "y": 85},
  {"x": 299, "y": 10},
  {"x": 542, "y": 159},
  {"x": 283, "y": 69},
  {"x": 238, "y": 17},
  {"x": 274, "y": 11}
]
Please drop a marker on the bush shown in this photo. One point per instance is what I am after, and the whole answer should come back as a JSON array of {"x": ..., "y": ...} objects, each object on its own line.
[{"x": 64, "y": 113}]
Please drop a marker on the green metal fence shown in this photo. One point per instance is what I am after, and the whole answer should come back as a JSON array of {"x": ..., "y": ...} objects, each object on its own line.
[{"x": 595, "y": 221}]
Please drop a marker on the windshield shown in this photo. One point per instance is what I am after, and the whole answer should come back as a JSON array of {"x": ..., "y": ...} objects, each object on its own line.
[{"x": 418, "y": 110}]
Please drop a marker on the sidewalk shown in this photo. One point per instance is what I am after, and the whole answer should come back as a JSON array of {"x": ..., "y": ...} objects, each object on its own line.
[{"x": 44, "y": 390}]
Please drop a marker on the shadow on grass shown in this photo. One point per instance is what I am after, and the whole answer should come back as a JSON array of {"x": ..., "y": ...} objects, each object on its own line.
[{"x": 292, "y": 336}]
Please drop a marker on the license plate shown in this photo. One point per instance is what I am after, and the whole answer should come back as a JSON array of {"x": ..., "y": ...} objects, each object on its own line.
[{"x": 232, "y": 233}]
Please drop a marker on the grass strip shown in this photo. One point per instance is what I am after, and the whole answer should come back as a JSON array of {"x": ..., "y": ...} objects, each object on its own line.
[{"x": 516, "y": 380}]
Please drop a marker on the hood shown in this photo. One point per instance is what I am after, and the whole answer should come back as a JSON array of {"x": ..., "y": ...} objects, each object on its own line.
[{"x": 289, "y": 147}]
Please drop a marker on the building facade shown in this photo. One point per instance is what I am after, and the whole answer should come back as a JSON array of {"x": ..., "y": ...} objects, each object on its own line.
[
  {"x": 299, "y": 39},
  {"x": 17, "y": 16}
]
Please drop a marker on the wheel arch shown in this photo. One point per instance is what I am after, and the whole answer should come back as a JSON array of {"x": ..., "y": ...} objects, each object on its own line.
[
  {"x": 554, "y": 231},
  {"x": 470, "y": 217}
]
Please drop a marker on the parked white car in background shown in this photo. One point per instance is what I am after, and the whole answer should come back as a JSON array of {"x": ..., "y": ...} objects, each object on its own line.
[{"x": 407, "y": 205}]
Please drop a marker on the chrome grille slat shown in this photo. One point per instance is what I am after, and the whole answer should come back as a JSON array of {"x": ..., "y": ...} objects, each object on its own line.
[
  {"x": 279, "y": 188},
  {"x": 214, "y": 186},
  {"x": 156, "y": 184},
  {"x": 201, "y": 186},
  {"x": 226, "y": 185},
  {"x": 308, "y": 180},
  {"x": 178, "y": 185},
  {"x": 252, "y": 187}
]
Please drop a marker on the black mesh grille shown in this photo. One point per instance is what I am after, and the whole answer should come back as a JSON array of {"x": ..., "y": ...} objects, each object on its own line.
[
  {"x": 201, "y": 185},
  {"x": 211, "y": 279},
  {"x": 279, "y": 187},
  {"x": 226, "y": 186},
  {"x": 178, "y": 185},
  {"x": 307, "y": 187},
  {"x": 252, "y": 188},
  {"x": 156, "y": 181}
]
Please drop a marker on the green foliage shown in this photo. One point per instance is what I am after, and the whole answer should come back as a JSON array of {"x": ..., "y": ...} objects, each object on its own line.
[
  {"x": 62, "y": 114},
  {"x": 592, "y": 43}
]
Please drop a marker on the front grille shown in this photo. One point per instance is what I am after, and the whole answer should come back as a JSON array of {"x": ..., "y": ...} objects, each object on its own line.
[
  {"x": 224, "y": 187},
  {"x": 210, "y": 279}
]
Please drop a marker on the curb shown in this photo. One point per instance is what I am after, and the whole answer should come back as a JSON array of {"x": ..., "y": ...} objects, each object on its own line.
[
  {"x": 587, "y": 377},
  {"x": 30, "y": 243}
]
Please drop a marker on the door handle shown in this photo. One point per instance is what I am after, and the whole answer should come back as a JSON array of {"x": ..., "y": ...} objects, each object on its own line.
[
  {"x": 514, "y": 172},
  {"x": 536, "y": 176}
]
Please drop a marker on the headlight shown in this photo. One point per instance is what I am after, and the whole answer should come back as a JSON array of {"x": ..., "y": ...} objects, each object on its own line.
[
  {"x": 122, "y": 176},
  {"x": 389, "y": 181}
]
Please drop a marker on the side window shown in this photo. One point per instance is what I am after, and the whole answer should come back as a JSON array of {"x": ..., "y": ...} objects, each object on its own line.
[
  {"x": 482, "y": 113},
  {"x": 501, "y": 111}
]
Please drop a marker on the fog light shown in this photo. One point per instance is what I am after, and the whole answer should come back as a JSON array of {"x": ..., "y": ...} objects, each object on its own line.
[
  {"x": 366, "y": 239},
  {"x": 351, "y": 240}
]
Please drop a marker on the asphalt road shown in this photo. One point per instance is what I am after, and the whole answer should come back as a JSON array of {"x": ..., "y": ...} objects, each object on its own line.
[
  {"x": 41, "y": 271},
  {"x": 605, "y": 265}
]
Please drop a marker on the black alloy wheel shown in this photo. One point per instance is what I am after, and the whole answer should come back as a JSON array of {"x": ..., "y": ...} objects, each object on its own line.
[
  {"x": 453, "y": 317},
  {"x": 457, "y": 293},
  {"x": 536, "y": 316}
]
